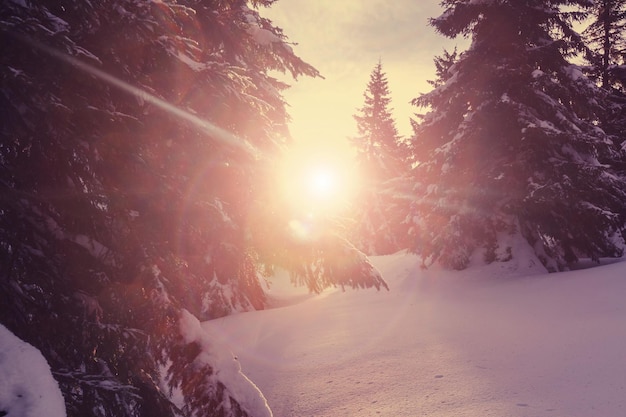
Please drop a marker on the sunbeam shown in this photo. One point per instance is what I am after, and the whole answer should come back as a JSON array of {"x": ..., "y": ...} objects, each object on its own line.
[{"x": 216, "y": 132}]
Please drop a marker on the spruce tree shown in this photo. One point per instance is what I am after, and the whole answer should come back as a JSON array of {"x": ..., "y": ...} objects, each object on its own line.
[
  {"x": 510, "y": 151},
  {"x": 607, "y": 42},
  {"x": 136, "y": 146},
  {"x": 382, "y": 160},
  {"x": 443, "y": 63},
  {"x": 606, "y": 55}
]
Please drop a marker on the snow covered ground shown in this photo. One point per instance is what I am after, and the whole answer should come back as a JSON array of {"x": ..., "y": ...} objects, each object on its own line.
[
  {"x": 27, "y": 388},
  {"x": 441, "y": 343}
]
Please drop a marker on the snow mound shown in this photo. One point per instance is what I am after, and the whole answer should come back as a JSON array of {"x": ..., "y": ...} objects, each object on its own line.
[
  {"x": 523, "y": 260},
  {"x": 226, "y": 366},
  {"x": 27, "y": 388}
]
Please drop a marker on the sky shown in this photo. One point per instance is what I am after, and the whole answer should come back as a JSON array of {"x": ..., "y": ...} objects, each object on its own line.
[{"x": 344, "y": 40}]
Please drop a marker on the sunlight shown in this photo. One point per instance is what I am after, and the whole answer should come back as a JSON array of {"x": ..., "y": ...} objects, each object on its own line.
[
  {"x": 316, "y": 179},
  {"x": 216, "y": 132},
  {"x": 322, "y": 182}
]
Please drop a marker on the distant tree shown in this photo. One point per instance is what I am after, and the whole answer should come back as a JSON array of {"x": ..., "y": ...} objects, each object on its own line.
[
  {"x": 382, "y": 159},
  {"x": 606, "y": 37},
  {"x": 510, "y": 150},
  {"x": 136, "y": 146}
]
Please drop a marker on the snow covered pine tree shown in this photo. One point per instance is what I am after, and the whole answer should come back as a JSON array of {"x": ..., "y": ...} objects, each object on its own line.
[
  {"x": 510, "y": 151},
  {"x": 382, "y": 160},
  {"x": 136, "y": 143}
]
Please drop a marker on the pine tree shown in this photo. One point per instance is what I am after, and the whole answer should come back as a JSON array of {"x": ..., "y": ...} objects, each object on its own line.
[
  {"x": 511, "y": 149},
  {"x": 607, "y": 51},
  {"x": 607, "y": 40},
  {"x": 382, "y": 160},
  {"x": 443, "y": 64},
  {"x": 136, "y": 146}
]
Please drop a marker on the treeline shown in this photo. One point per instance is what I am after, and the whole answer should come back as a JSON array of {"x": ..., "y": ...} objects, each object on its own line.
[{"x": 522, "y": 143}]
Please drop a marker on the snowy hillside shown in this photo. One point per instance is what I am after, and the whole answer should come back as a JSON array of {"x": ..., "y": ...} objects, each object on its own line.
[{"x": 442, "y": 344}]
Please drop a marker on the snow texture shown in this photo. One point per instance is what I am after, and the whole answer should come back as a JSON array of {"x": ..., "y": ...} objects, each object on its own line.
[
  {"x": 27, "y": 388},
  {"x": 574, "y": 72},
  {"x": 261, "y": 36},
  {"x": 504, "y": 339}
]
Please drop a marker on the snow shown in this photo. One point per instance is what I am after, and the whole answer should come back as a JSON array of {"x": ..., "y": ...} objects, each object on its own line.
[
  {"x": 261, "y": 36},
  {"x": 546, "y": 125},
  {"x": 95, "y": 248},
  {"x": 174, "y": 393},
  {"x": 499, "y": 340},
  {"x": 574, "y": 72},
  {"x": 537, "y": 73},
  {"x": 181, "y": 55},
  {"x": 226, "y": 367},
  {"x": 27, "y": 388}
]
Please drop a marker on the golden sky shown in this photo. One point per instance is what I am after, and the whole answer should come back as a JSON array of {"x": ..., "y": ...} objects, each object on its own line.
[{"x": 344, "y": 39}]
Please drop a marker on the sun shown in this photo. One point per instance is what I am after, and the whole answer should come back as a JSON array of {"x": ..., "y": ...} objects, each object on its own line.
[
  {"x": 323, "y": 182},
  {"x": 316, "y": 180}
]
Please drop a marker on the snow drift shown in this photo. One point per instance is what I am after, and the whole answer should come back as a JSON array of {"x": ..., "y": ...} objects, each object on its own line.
[{"x": 479, "y": 342}]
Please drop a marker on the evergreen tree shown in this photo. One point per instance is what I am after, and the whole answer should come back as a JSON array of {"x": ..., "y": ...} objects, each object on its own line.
[
  {"x": 511, "y": 149},
  {"x": 607, "y": 40},
  {"x": 607, "y": 51},
  {"x": 382, "y": 159},
  {"x": 443, "y": 64},
  {"x": 136, "y": 146}
]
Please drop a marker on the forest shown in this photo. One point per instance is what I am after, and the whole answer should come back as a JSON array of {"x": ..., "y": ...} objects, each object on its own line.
[{"x": 138, "y": 146}]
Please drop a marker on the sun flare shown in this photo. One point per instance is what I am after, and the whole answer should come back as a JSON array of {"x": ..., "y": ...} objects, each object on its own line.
[
  {"x": 317, "y": 180},
  {"x": 322, "y": 181}
]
